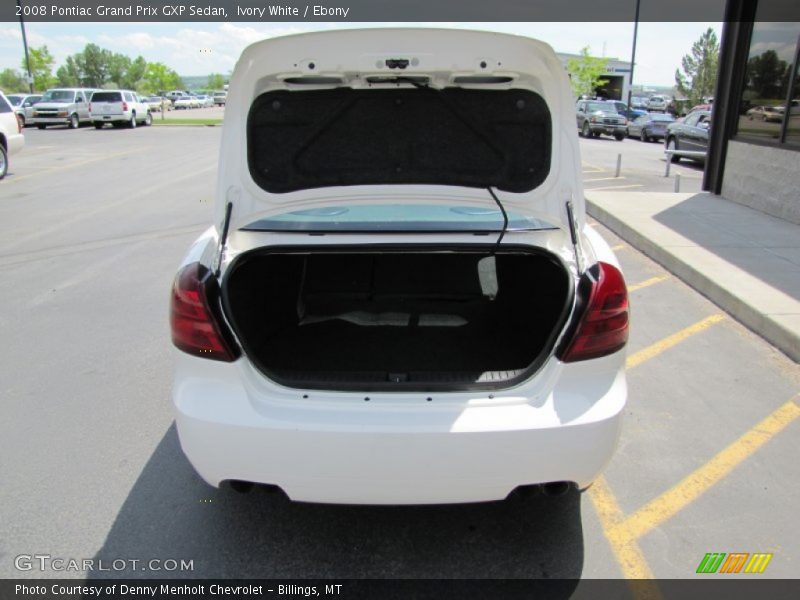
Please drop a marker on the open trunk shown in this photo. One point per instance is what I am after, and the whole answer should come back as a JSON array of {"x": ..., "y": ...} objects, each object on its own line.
[{"x": 397, "y": 319}]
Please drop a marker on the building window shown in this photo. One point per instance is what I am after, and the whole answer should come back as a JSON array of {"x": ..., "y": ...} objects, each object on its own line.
[
  {"x": 793, "y": 120},
  {"x": 770, "y": 72}
]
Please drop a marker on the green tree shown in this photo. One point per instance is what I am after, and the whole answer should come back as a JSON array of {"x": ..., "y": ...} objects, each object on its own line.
[
  {"x": 12, "y": 81},
  {"x": 699, "y": 77},
  {"x": 93, "y": 65},
  {"x": 585, "y": 73},
  {"x": 41, "y": 67},
  {"x": 159, "y": 77},
  {"x": 68, "y": 74},
  {"x": 766, "y": 74},
  {"x": 215, "y": 81},
  {"x": 118, "y": 65},
  {"x": 134, "y": 76}
]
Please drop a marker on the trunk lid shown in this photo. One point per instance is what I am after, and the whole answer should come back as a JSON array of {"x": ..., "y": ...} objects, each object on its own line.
[{"x": 399, "y": 117}]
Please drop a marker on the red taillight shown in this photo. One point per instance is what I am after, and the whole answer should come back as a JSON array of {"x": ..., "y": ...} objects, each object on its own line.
[
  {"x": 195, "y": 329},
  {"x": 124, "y": 106},
  {"x": 603, "y": 328}
]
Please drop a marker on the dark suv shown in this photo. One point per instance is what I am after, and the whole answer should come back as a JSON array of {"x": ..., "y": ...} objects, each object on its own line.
[{"x": 597, "y": 116}]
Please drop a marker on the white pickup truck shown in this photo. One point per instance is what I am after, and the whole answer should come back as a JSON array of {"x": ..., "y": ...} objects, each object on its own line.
[{"x": 120, "y": 108}]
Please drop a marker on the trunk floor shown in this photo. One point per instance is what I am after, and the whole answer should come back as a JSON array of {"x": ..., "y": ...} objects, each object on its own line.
[{"x": 338, "y": 345}]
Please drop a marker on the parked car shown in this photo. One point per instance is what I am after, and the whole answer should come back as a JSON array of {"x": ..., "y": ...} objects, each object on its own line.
[
  {"x": 119, "y": 108},
  {"x": 409, "y": 361},
  {"x": 63, "y": 106},
  {"x": 220, "y": 98},
  {"x": 690, "y": 134},
  {"x": 186, "y": 102},
  {"x": 649, "y": 127},
  {"x": 629, "y": 113},
  {"x": 766, "y": 113},
  {"x": 596, "y": 117},
  {"x": 638, "y": 103},
  {"x": 23, "y": 106},
  {"x": 157, "y": 102},
  {"x": 175, "y": 94},
  {"x": 11, "y": 138},
  {"x": 205, "y": 101},
  {"x": 657, "y": 103}
]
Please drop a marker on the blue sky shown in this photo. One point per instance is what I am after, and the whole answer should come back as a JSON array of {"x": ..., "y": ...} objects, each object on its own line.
[{"x": 202, "y": 48}]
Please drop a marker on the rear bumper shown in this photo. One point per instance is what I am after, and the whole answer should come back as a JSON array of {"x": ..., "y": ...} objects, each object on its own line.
[
  {"x": 112, "y": 118},
  {"x": 399, "y": 448}
]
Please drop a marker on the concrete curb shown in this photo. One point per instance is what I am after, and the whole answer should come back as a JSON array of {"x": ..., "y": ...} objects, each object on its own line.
[{"x": 761, "y": 324}]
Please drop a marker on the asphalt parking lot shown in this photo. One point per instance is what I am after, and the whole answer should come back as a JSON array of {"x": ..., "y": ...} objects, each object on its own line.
[
  {"x": 642, "y": 167},
  {"x": 94, "y": 224}
]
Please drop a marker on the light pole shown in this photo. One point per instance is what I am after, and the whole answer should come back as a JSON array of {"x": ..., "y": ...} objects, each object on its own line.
[
  {"x": 25, "y": 44},
  {"x": 633, "y": 52}
]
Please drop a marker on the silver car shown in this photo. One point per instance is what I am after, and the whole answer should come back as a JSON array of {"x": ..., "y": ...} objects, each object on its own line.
[{"x": 23, "y": 106}]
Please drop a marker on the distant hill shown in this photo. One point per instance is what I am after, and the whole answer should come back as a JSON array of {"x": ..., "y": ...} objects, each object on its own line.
[{"x": 195, "y": 82}]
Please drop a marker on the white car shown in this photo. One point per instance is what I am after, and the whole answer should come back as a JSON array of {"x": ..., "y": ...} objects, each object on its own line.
[
  {"x": 120, "y": 108},
  {"x": 185, "y": 102},
  {"x": 205, "y": 101},
  {"x": 11, "y": 138},
  {"x": 658, "y": 103},
  {"x": 63, "y": 106},
  {"x": 23, "y": 105},
  {"x": 400, "y": 301}
]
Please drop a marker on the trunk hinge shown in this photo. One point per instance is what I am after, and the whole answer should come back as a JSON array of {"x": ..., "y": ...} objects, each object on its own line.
[
  {"x": 573, "y": 233},
  {"x": 223, "y": 238}
]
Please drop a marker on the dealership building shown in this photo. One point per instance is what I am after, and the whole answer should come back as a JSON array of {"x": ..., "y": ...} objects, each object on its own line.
[
  {"x": 754, "y": 153},
  {"x": 617, "y": 77}
]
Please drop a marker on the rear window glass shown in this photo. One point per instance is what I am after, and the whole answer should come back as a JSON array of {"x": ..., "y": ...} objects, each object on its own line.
[
  {"x": 462, "y": 137},
  {"x": 398, "y": 218},
  {"x": 106, "y": 97},
  {"x": 663, "y": 118}
]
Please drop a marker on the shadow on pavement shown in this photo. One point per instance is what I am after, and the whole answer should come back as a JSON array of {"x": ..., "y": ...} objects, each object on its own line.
[
  {"x": 761, "y": 245},
  {"x": 171, "y": 513}
]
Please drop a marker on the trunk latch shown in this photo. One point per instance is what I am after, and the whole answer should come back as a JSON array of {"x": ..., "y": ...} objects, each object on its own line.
[{"x": 397, "y": 63}]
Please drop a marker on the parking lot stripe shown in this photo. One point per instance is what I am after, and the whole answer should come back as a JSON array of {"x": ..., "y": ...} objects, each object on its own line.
[
  {"x": 631, "y": 561},
  {"x": 657, "y": 511},
  {"x": 79, "y": 163},
  {"x": 616, "y": 187},
  {"x": 602, "y": 179},
  {"x": 647, "y": 282},
  {"x": 670, "y": 341},
  {"x": 618, "y": 247}
]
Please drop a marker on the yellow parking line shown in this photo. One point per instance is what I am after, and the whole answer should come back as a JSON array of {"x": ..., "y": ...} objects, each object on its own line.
[
  {"x": 618, "y": 247},
  {"x": 647, "y": 283},
  {"x": 670, "y": 341},
  {"x": 629, "y": 556},
  {"x": 48, "y": 170},
  {"x": 586, "y": 164},
  {"x": 676, "y": 499}
]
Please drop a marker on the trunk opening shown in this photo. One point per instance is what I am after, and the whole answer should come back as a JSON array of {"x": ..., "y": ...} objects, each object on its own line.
[{"x": 397, "y": 319}]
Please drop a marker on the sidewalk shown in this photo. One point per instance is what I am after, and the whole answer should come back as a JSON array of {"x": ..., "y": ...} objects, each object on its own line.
[{"x": 745, "y": 261}]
